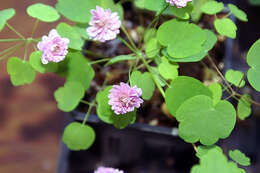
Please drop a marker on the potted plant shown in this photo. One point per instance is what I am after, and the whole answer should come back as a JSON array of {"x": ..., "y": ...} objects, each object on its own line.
[{"x": 146, "y": 64}]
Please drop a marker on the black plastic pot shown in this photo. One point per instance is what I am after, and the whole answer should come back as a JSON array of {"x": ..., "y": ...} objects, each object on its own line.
[{"x": 139, "y": 148}]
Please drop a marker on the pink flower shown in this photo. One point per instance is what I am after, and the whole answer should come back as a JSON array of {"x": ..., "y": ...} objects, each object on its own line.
[
  {"x": 54, "y": 47},
  {"x": 108, "y": 170},
  {"x": 104, "y": 25},
  {"x": 124, "y": 99},
  {"x": 179, "y": 3}
]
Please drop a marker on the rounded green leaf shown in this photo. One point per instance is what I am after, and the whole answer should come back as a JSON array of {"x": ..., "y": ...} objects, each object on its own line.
[
  {"x": 203, "y": 150},
  {"x": 69, "y": 96},
  {"x": 239, "y": 157},
  {"x": 77, "y": 10},
  {"x": 241, "y": 15},
  {"x": 168, "y": 70},
  {"x": 226, "y": 27},
  {"x": 106, "y": 114},
  {"x": 244, "y": 107},
  {"x": 36, "y": 63},
  {"x": 253, "y": 60},
  {"x": 5, "y": 15},
  {"x": 179, "y": 38},
  {"x": 143, "y": 81},
  {"x": 182, "y": 13},
  {"x": 200, "y": 120},
  {"x": 207, "y": 46},
  {"x": 65, "y": 30},
  {"x": 78, "y": 136},
  {"x": 20, "y": 71},
  {"x": 181, "y": 89},
  {"x": 212, "y": 7},
  {"x": 43, "y": 12},
  {"x": 152, "y": 48},
  {"x": 79, "y": 69},
  {"x": 196, "y": 12},
  {"x": 235, "y": 77},
  {"x": 214, "y": 161},
  {"x": 216, "y": 90}
]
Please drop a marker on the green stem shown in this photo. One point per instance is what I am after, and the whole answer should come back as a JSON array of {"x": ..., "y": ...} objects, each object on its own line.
[
  {"x": 127, "y": 45},
  {"x": 12, "y": 51},
  {"x": 157, "y": 16},
  {"x": 87, "y": 114},
  {"x": 15, "y": 31},
  {"x": 94, "y": 54},
  {"x": 35, "y": 27},
  {"x": 10, "y": 48},
  {"x": 128, "y": 37},
  {"x": 25, "y": 51},
  {"x": 12, "y": 40},
  {"x": 99, "y": 61},
  {"x": 154, "y": 79}
]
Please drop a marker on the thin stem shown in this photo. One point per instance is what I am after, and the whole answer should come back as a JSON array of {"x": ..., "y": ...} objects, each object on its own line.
[
  {"x": 25, "y": 51},
  {"x": 14, "y": 30},
  {"x": 157, "y": 16},
  {"x": 86, "y": 102},
  {"x": 195, "y": 147},
  {"x": 126, "y": 44},
  {"x": 35, "y": 27},
  {"x": 99, "y": 61},
  {"x": 128, "y": 37},
  {"x": 12, "y": 40},
  {"x": 87, "y": 114},
  {"x": 12, "y": 51},
  {"x": 10, "y": 48},
  {"x": 94, "y": 54},
  {"x": 154, "y": 79}
]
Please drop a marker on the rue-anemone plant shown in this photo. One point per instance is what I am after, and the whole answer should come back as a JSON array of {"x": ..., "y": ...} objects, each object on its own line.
[{"x": 204, "y": 116}]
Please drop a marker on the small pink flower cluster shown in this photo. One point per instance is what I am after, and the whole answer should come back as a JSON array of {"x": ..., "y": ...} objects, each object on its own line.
[
  {"x": 124, "y": 99},
  {"x": 108, "y": 170},
  {"x": 104, "y": 25},
  {"x": 178, "y": 3},
  {"x": 54, "y": 47}
]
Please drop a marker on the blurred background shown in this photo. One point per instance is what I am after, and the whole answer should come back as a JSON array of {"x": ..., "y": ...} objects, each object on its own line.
[{"x": 30, "y": 123}]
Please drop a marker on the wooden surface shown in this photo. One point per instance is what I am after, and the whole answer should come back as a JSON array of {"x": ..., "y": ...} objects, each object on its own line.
[{"x": 30, "y": 123}]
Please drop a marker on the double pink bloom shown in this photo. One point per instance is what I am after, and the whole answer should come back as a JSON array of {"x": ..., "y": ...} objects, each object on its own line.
[
  {"x": 104, "y": 25},
  {"x": 178, "y": 3}
]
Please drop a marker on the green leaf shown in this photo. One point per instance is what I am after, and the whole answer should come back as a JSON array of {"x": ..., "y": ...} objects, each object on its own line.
[
  {"x": 215, "y": 161},
  {"x": 20, "y": 71},
  {"x": 168, "y": 70},
  {"x": 43, "y": 12},
  {"x": 65, "y": 30},
  {"x": 106, "y": 114},
  {"x": 5, "y": 15},
  {"x": 200, "y": 120},
  {"x": 81, "y": 30},
  {"x": 120, "y": 58},
  {"x": 79, "y": 70},
  {"x": 182, "y": 13},
  {"x": 152, "y": 5},
  {"x": 239, "y": 157},
  {"x": 235, "y": 77},
  {"x": 196, "y": 12},
  {"x": 244, "y": 107},
  {"x": 241, "y": 15},
  {"x": 69, "y": 96},
  {"x": 254, "y": 2},
  {"x": 212, "y": 7},
  {"x": 78, "y": 136},
  {"x": 181, "y": 89},
  {"x": 216, "y": 90},
  {"x": 36, "y": 63},
  {"x": 149, "y": 33},
  {"x": 207, "y": 46},
  {"x": 203, "y": 150},
  {"x": 143, "y": 81},
  {"x": 77, "y": 10},
  {"x": 152, "y": 48},
  {"x": 226, "y": 27},
  {"x": 179, "y": 38},
  {"x": 253, "y": 60}
]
